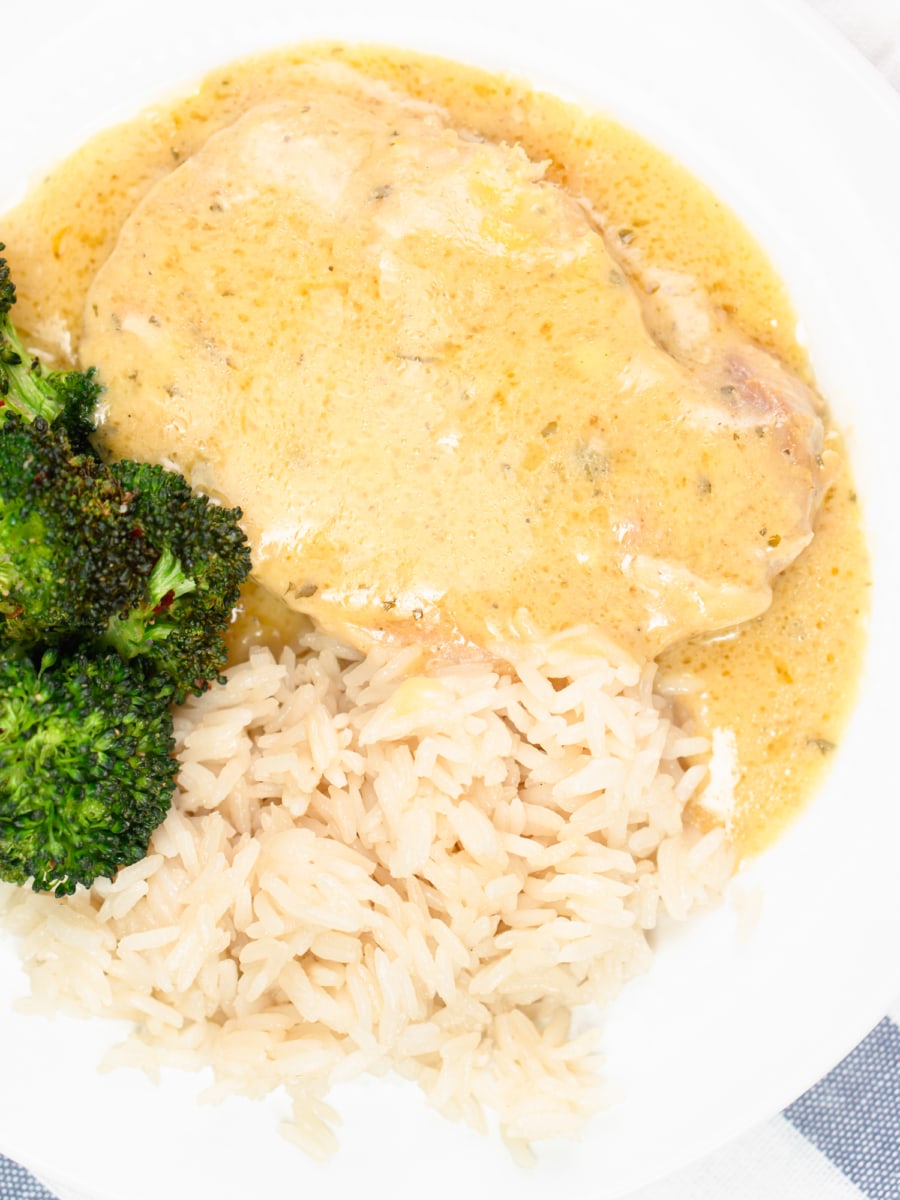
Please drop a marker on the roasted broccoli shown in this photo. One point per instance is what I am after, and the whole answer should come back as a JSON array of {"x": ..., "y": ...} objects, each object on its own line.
[
  {"x": 116, "y": 585},
  {"x": 124, "y": 553},
  {"x": 64, "y": 399},
  {"x": 193, "y": 588},
  {"x": 86, "y": 766},
  {"x": 71, "y": 554}
]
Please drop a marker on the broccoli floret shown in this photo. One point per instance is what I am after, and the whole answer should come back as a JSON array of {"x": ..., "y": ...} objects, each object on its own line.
[
  {"x": 193, "y": 588},
  {"x": 86, "y": 767},
  {"x": 64, "y": 399},
  {"x": 117, "y": 583},
  {"x": 71, "y": 552}
]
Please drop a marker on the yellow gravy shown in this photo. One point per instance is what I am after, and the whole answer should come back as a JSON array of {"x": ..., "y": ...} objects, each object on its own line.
[{"x": 782, "y": 684}]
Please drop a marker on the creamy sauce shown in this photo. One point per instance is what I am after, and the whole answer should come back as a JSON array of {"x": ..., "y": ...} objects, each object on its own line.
[{"x": 782, "y": 685}]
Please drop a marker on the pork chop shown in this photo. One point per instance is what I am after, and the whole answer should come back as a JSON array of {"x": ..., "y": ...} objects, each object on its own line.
[{"x": 437, "y": 396}]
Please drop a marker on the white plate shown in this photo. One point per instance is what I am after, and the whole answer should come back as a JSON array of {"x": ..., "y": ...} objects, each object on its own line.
[{"x": 801, "y": 137}]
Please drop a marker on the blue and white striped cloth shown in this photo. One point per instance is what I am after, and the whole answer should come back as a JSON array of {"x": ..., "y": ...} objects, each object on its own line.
[
  {"x": 838, "y": 1141},
  {"x": 841, "y": 1139}
]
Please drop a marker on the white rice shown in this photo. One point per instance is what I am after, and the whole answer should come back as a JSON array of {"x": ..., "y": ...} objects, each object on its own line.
[{"x": 375, "y": 865}]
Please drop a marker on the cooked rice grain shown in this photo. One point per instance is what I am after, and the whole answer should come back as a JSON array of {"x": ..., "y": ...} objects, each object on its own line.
[{"x": 371, "y": 865}]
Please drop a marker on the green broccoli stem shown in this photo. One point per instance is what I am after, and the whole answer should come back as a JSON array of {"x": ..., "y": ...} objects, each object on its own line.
[
  {"x": 23, "y": 387},
  {"x": 66, "y": 397},
  {"x": 131, "y": 632}
]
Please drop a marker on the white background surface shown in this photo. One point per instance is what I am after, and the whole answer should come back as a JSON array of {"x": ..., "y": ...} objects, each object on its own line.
[{"x": 798, "y": 135}]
